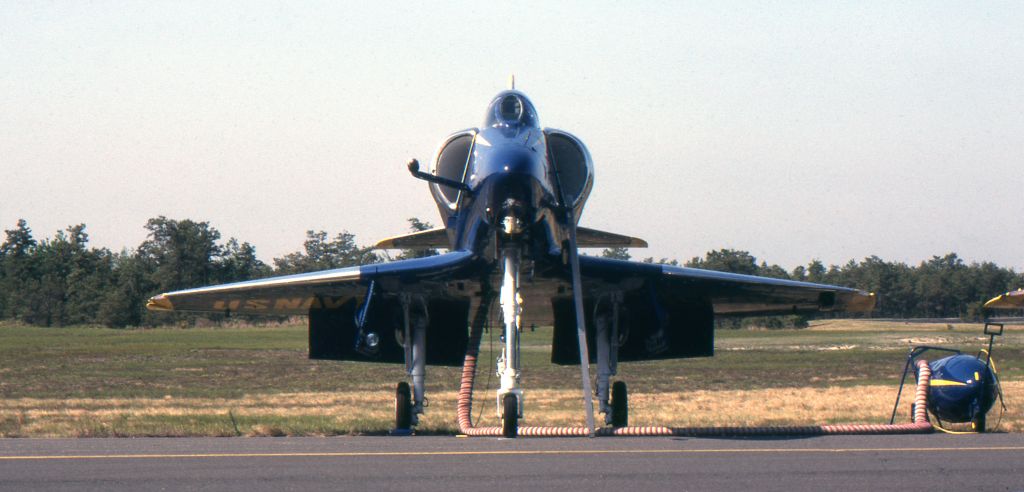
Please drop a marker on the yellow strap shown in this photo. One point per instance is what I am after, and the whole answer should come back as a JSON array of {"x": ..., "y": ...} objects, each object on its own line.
[
  {"x": 947, "y": 431},
  {"x": 991, "y": 361}
]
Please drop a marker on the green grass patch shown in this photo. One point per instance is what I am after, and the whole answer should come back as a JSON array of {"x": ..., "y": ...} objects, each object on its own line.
[{"x": 91, "y": 381}]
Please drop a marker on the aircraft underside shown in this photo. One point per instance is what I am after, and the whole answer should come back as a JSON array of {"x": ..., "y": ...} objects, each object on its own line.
[{"x": 626, "y": 320}]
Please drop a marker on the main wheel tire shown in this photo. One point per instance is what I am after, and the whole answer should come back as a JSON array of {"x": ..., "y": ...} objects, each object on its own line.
[
  {"x": 509, "y": 416},
  {"x": 620, "y": 405},
  {"x": 403, "y": 406}
]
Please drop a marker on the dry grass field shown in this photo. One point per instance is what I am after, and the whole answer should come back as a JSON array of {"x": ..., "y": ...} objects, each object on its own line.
[{"x": 256, "y": 380}]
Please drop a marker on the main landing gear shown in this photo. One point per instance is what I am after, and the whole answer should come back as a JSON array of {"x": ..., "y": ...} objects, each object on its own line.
[
  {"x": 620, "y": 406},
  {"x": 413, "y": 335},
  {"x": 403, "y": 407},
  {"x": 615, "y": 407}
]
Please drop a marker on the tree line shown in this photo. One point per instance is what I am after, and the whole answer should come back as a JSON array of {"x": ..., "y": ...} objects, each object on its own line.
[{"x": 63, "y": 281}]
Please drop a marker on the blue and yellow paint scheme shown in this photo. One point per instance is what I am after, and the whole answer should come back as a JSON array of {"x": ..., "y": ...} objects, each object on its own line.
[
  {"x": 962, "y": 388},
  {"x": 510, "y": 195},
  {"x": 513, "y": 183},
  {"x": 1010, "y": 300}
]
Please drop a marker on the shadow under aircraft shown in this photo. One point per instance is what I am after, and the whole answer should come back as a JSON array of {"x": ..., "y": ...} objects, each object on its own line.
[{"x": 510, "y": 195}]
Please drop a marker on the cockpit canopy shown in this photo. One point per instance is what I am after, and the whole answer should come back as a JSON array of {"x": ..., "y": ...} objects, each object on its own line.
[{"x": 511, "y": 109}]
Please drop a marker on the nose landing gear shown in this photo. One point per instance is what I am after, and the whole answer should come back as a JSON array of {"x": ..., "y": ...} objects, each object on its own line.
[{"x": 510, "y": 394}]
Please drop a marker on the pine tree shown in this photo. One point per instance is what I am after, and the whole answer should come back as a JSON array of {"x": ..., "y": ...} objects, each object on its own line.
[{"x": 616, "y": 253}]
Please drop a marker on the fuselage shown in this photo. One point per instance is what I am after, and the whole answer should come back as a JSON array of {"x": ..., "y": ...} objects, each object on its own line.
[{"x": 513, "y": 174}]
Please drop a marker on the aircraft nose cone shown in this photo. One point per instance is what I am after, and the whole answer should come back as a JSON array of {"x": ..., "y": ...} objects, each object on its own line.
[
  {"x": 513, "y": 182},
  {"x": 518, "y": 162},
  {"x": 507, "y": 160}
]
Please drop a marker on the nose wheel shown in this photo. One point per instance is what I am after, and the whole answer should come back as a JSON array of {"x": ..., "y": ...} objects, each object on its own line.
[{"x": 510, "y": 416}]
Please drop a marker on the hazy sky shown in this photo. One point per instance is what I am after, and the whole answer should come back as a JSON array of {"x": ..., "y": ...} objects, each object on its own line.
[{"x": 794, "y": 130}]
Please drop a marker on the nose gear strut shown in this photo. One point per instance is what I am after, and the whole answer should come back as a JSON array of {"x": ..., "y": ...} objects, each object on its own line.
[{"x": 510, "y": 395}]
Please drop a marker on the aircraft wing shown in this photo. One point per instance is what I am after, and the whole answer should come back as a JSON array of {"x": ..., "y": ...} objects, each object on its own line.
[
  {"x": 732, "y": 293},
  {"x": 668, "y": 312},
  {"x": 593, "y": 238},
  {"x": 433, "y": 238},
  {"x": 297, "y": 294},
  {"x": 1009, "y": 300}
]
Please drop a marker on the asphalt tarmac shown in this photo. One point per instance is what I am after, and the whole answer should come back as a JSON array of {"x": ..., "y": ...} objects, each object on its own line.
[{"x": 426, "y": 463}]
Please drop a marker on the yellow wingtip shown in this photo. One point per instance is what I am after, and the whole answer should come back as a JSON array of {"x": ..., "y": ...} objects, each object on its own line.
[
  {"x": 862, "y": 303},
  {"x": 159, "y": 303},
  {"x": 388, "y": 243},
  {"x": 1010, "y": 300}
]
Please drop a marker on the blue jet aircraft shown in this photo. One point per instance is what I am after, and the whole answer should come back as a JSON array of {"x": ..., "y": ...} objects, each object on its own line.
[{"x": 510, "y": 195}]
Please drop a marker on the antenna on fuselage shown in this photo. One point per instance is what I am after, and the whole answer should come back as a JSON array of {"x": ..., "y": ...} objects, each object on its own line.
[{"x": 512, "y": 82}]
